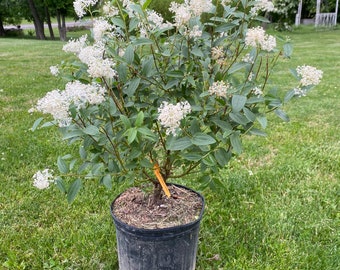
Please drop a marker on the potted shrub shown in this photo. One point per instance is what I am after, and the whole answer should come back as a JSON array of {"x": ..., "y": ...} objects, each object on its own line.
[{"x": 150, "y": 101}]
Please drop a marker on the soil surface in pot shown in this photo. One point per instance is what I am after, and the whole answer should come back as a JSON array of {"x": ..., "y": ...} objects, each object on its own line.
[{"x": 136, "y": 208}]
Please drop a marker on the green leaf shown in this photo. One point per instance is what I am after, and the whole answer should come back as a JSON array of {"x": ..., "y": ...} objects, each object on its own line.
[
  {"x": 282, "y": 115},
  {"x": 146, "y": 163},
  {"x": 91, "y": 130},
  {"x": 142, "y": 41},
  {"x": 175, "y": 144},
  {"x": 119, "y": 22},
  {"x": 175, "y": 74},
  {"x": 249, "y": 114},
  {"x": 82, "y": 152},
  {"x": 222, "y": 156},
  {"x": 131, "y": 134},
  {"x": 191, "y": 156},
  {"x": 73, "y": 190},
  {"x": 202, "y": 139},
  {"x": 129, "y": 54},
  {"x": 125, "y": 121},
  {"x": 225, "y": 27},
  {"x": 147, "y": 133},
  {"x": 239, "y": 118},
  {"x": 37, "y": 123},
  {"x": 262, "y": 120},
  {"x": 224, "y": 125},
  {"x": 62, "y": 166},
  {"x": 287, "y": 50},
  {"x": 237, "y": 66},
  {"x": 257, "y": 132},
  {"x": 238, "y": 102},
  {"x": 236, "y": 142},
  {"x": 198, "y": 52},
  {"x": 133, "y": 85},
  {"x": 60, "y": 185},
  {"x": 107, "y": 181},
  {"x": 146, "y": 4},
  {"x": 139, "y": 119},
  {"x": 289, "y": 96},
  {"x": 72, "y": 134}
]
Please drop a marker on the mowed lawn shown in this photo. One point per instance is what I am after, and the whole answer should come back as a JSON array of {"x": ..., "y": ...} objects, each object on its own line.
[{"x": 279, "y": 208}]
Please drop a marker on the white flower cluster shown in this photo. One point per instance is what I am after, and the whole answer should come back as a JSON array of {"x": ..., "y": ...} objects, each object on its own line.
[
  {"x": 248, "y": 59},
  {"x": 195, "y": 32},
  {"x": 262, "y": 5},
  {"x": 257, "y": 36},
  {"x": 109, "y": 10},
  {"x": 75, "y": 45},
  {"x": 54, "y": 70},
  {"x": 219, "y": 88},
  {"x": 57, "y": 102},
  {"x": 93, "y": 56},
  {"x": 100, "y": 28},
  {"x": 309, "y": 75},
  {"x": 42, "y": 179},
  {"x": 257, "y": 91},
  {"x": 155, "y": 21},
  {"x": 80, "y": 6},
  {"x": 170, "y": 115},
  {"x": 190, "y": 8}
]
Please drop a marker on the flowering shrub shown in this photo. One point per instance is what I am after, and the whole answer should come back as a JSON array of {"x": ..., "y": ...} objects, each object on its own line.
[{"x": 149, "y": 97}]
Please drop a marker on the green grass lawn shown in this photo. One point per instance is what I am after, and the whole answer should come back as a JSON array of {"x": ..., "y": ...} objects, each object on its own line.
[{"x": 279, "y": 209}]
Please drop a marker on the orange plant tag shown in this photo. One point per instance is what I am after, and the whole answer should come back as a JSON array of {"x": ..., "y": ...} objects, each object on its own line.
[{"x": 159, "y": 176}]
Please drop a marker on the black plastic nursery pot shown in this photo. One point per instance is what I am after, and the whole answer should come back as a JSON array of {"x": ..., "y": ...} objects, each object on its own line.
[{"x": 171, "y": 248}]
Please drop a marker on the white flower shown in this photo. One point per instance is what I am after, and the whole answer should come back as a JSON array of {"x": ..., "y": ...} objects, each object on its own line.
[
  {"x": 101, "y": 68},
  {"x": 75, "y": 46},
  {"x": 80, "y": 6},
  {"x": 170, "y": 115},
  {"x": 197, "y": 7},
  {"x": 219, "y": 88},
  {"x": 262, "y": 5},
  {"x": 300, "y": 92},
  {"x": 110, "y": 10},
  {"x": 54, "y": 70},
  {"x": 248, "y": 59},
  {"x": 91, "y": 53},
  {"x": 309, "y": 75},
  {"x": 256, "y": 36},
  {"x": 268, "y": 44},
  {"x": 42, "y": 179},
  {"x": 257, "y": 91},
  {"x": 81, "y": 94},
  {"x": 217, "y": 52},
  {"x": 195, "y": 32},
  {"x": 190, "y": 8},
  {"x": 56, "y": 104},
  {"x": 100, "y": 27},
  {"x": 182, "y": 13}
]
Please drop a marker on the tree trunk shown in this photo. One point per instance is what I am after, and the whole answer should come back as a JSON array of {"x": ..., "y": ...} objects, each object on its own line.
[
  {"x": 48, "y": 20},
  {"x": 38, "y": 23},
  {"x": 61, "y": 25},
  {"x": 2, "y": 29}
]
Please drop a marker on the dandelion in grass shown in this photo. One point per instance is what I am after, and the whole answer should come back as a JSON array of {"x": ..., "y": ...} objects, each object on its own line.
[
  {"x": 309, "y": 75},
  {"x": 170, "y": 115},
  {"x": 43, "y": 179}
]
